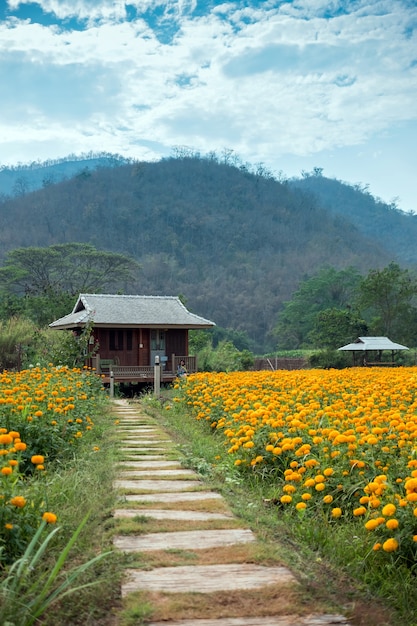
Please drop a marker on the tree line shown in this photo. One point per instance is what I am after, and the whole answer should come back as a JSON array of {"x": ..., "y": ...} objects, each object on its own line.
[{"x": 333, "y": 308}]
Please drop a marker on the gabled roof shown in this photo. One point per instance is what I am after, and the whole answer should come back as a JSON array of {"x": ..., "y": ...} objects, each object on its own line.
[
  {"x": 107, "y": 310},
  {"x": 373, "y": 343}
]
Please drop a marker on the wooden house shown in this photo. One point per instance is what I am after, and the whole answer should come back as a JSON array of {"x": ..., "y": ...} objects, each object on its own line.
[{"x": 129, "y": 332}]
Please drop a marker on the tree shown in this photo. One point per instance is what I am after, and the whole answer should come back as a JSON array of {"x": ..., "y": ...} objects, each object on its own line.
[
  {"x": 50, "y": 278},
  {"x": 327, "y": 289},
  {"x": 387, "y": 298},
  {"x": 336, "y": 327}
]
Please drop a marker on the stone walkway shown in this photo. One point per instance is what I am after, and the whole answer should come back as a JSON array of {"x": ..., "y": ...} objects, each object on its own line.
[{"x": 151, "y": 479}]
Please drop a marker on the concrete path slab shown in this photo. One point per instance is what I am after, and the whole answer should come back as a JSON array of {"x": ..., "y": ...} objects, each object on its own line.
[
  {"x": 184, "y": 540},
  {"x": 157, "y": 485},
  {"x": 206, "y": 578},
  {"x": 165, "y": 514},
  {"x": 280, "y": 620},
  {"x": 171, "y": 498},
  {"x": 146, "y": 463},
  {"x": 157, "y": 473},
  {"x": 144, "y": 442}
]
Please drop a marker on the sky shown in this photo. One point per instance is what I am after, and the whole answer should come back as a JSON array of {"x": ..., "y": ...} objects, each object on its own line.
[{"x": 292, "y": 85}]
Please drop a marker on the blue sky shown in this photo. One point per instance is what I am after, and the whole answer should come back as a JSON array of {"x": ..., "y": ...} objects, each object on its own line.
[{"x": 291, "y": 85}]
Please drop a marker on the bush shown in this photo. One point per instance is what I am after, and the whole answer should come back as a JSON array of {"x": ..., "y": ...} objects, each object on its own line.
[{"x": 330, "y": 359}]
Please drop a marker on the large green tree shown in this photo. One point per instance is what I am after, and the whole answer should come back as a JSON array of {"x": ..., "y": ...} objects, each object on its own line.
[
  {"x": 336, "y": 327},
  {"x": 42, "y": 282},
  {"x": 388, "y": 298},
  {"x": 328, "y": 289}
]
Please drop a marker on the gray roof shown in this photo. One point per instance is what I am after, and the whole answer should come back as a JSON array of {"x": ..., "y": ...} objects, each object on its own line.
[
  {"x": 373, "y": 343},
  {"x": 118, "y": 311}
]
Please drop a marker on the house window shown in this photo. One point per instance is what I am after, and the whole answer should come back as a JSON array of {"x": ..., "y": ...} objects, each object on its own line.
[
  {"x": 157, "y": 340},
  {"x": 116, "y": 340}
]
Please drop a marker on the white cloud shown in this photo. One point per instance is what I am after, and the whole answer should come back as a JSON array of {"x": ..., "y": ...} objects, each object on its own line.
[{"x": 266, "y": 80}]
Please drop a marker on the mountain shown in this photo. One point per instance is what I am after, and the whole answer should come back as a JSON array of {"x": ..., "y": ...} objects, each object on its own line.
[
  {"x": 235, "y": 244},
  {"x": 386, "y": 224},
  {"x": 21, "y": 179}
]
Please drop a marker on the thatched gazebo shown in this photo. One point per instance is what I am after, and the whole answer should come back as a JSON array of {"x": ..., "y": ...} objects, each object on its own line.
[{"x": 370, "y": 351}]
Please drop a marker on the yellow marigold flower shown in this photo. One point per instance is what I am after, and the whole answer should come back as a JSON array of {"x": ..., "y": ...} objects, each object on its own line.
[
  {"x": 390, "y": 545},
  {"x": 49, "y": 518},
  {"x": 415, "y": 538},
  {"x": 286, "y": 499},
  {"x": 377, "y": 546},
  {"x": 336, "y": 512},
  {"x": 288, "y": 489},
  {"x": 371, "y": 524},
  {"x": 412, "y": 496},
  {"x": 13, "y": 463},
  {"x": 40, "y": 467},
  {"x": 37, "y": 459},
  {"x": 306, "y": 496},
  {"x": 360, "y": 510},
  {"x": 328, "y": 471},
  {"x": 415, "y": 512},
  {"x": 392, "y": 524},
  {"x": 310, "y": 482},
  {"x": 328, "y": 499},
  {"x": 8, "y": 526},
  {"x": 38, "y": 413},
  {"x": 248, "y": 444},
  {"x": 6, "y": 471},
  {"x": 389, "y": 509},
  {"x": 320, "y": 487},
  {"x": 18, "y": 501},
  {"x": 300, "y": 506}
]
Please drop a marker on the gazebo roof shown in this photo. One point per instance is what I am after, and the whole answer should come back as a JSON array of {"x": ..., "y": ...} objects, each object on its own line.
[{"x": 373, "y": 343}]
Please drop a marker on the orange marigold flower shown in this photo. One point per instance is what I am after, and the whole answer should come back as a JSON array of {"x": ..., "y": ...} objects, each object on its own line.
[
  {"x": 6, "y": 471},
  {"x": 360, "y": 510},
  {"x": 37, "y": 459},
  {"x": 18, "y": 501},
  {"x": 49, "y": 518},
  {"x": 392, "y": 524},
  {"x": 389, "y": 509},
  {"x": 390, "y": 545}
]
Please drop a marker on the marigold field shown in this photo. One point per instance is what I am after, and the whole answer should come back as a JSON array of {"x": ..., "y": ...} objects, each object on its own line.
[
  {"x": 338, "y": 444},
  {"x": 44, "y": 412}
]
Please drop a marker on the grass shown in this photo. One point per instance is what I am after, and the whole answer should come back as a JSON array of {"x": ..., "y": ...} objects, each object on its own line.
[
  {"x": 328, "y": 562},
  {"x": 78, "y": 489}
]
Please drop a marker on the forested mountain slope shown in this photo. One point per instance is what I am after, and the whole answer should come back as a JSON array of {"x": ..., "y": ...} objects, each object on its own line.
[
  {"x": 393, "y": 228},
  {"x": 233, "y": 243}
]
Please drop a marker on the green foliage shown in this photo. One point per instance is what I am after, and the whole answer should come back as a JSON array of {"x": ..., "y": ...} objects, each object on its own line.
[
  {"x": 25, "y": 595},
  {"x": 335, "y": 328},
  {"x": 328, "y": 289},
  {"x": 388, "y": 298},
  {"x": 60, "y": 348},
  {"x": 330, "y": 359},
  {"x": 48, "y": 279},
  {"x": 16, "y": 337},
  {"x": 224, "y": 358}
]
